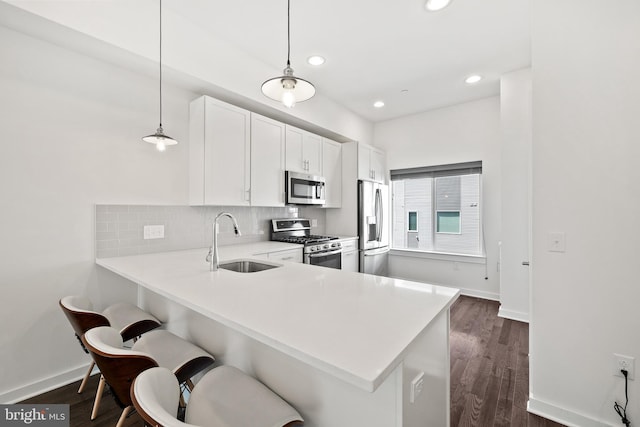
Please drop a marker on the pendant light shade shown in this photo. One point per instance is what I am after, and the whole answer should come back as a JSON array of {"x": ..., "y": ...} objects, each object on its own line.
[
  {"x": 159, "y": 138},
  {"x": 287, "y": 88}
]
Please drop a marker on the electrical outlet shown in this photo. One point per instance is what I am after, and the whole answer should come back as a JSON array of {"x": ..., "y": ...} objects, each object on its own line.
[
  {"x": 417, "y": 384},
  {"x": 153, "y": 232},
  {"x": 627, "y": 363}
]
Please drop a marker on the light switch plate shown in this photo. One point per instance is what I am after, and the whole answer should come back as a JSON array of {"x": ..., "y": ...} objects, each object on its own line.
[{"x": 417, "y": 384}]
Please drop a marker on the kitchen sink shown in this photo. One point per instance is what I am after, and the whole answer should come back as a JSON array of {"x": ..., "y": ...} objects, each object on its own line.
[{"x": 247, "y": 266}]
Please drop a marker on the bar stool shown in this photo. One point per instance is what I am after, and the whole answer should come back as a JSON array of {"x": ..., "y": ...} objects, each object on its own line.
[
  {"x": 224, "y": 397},
  {"x": 129, "y": 319},
  {"x": 120, "y": 366}
]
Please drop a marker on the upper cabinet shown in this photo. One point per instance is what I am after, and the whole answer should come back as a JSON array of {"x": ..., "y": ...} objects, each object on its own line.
[
  {"x": 219, "y": 153},
  {"x": 332, "y": 172},
  {"x": 304, "y": 151},
  {"x": 371, "y": 163},
  {"x": 267, "y": 161},
  {"x": 236, "y": 158}
]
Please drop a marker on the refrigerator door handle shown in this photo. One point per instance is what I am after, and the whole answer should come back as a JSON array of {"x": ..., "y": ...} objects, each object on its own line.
[
  {"x": 377, "y": 210},
  {"x": 374, "y": 252},
  {"x": 381, "y": 216}
]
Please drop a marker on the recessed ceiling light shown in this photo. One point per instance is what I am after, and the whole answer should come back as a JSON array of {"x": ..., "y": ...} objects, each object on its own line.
[
  {"x": 315, "y": 60},
  {"x": 473, "y": 79},
  {"x": 435, "y": 5},
  {"x": 378, "y": 104}
]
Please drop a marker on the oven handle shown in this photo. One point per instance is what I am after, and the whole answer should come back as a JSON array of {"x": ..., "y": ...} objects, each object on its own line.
[{"x": 321, "y": 254}]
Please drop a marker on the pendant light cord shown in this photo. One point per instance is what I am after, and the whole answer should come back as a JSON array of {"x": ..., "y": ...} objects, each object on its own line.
[
  {"x": 288, "y": 32},
  {"x": 160, "y": 63}
]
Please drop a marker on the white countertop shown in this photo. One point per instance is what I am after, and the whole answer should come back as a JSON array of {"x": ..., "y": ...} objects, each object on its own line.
[{"x": 354, "y": 326}]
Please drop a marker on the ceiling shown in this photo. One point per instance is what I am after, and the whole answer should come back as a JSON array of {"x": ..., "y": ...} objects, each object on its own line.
[{"x": 390, "y": 50}]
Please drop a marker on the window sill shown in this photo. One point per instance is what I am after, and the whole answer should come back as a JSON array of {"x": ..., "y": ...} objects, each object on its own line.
[{"x": 441, "y": 256}]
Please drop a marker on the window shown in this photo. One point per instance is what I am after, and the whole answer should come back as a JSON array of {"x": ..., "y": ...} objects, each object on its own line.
[
  {"x": 413, "y": 221},
  {"x": 438, "y": 208},
  {"x": 448, "y": 222}
]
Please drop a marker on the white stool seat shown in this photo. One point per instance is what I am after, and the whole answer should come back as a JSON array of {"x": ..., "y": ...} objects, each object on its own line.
[
  {"x": 227, "y": 397},
  {"x": 122, "y": 315},
  {"x": 224, "y": 397},
  {"x": 169, "y": 350}
]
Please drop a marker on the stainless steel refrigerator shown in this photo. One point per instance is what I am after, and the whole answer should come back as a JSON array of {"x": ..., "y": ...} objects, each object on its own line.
[{"x": 373, "y": 227}]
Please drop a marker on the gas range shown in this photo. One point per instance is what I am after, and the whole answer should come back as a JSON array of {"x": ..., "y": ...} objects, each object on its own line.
[{"x": 297, "y": 230}]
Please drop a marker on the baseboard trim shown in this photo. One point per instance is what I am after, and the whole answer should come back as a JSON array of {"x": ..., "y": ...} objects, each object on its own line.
[
  {"x": 478, "y": 294},
  {"x": 463, "y": 291},
  {"x": 513, "y": 315},
  {"x": 563, "y": 416},
  {"x": 44, "y": 385}
]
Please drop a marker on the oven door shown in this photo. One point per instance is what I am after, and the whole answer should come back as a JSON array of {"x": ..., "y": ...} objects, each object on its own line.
[{"x": 331, "y": 259}]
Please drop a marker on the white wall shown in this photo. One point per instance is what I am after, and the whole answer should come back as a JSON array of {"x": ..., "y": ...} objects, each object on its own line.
[
  {"x": 586, "y": 148},
  {"x": 71, "y": 129},
  {"x": 465, "y": 132},
  {"x": 516, "y": 130}
]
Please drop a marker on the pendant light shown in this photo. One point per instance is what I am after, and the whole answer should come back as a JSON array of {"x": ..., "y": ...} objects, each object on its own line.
[
  {"x": 159, "y": 138},
  {"x": 287, "y": 88}
]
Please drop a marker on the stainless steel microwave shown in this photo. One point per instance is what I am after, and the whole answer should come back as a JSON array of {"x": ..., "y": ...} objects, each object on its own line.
[{"x": 304, "y": 189}]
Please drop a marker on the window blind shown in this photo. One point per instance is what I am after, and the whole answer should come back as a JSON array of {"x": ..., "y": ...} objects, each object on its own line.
[{"x": 466, "y": 168}]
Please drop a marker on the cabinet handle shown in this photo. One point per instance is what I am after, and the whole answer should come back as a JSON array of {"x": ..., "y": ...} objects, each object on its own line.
[
  {"x": 247, "y": 195},
  {"x": 286, "y": 258}
]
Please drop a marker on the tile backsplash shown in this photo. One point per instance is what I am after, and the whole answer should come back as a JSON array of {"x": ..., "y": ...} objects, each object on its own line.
[{"x": 119, "y": 229}]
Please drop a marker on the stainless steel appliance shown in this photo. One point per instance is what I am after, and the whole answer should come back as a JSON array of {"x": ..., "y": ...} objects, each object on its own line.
[
  {"x": 303, "y": 189},
  {"x": 324, "y": 251},
  {"x": 373, "y": 227}
]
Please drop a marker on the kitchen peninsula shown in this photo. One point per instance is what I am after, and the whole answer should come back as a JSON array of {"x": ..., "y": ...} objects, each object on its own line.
[{"x": 343, "y": 348}]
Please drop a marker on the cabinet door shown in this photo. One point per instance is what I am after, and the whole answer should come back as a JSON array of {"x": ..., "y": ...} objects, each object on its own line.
[
  {"x": 304, "y": 151},
  {"x": 219, "y": 158},
  {"x": 267, "y": 161},
  {"x": 292, "y": 255},
  {"x": 332, "y": 172},
  {"x": 364, "y": 162},
  {"x": 350, "y": 261},
  {"x": 294, "y": 158},
  {"x": 378, "y": 165},
  {"x": 312, "y": 153}
]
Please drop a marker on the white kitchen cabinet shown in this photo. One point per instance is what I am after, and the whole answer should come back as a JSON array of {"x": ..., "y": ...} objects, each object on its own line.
[
  {"x": 267, "y": 161},
  {"x": 219, "y": 153},
  {"x": 350, "y": 259},
  {"x": 304, "y": 151},
  {"x": 332, "y": 172},
  {"x": 371, "y": 163},
  {"x": 291, "y": 255}
]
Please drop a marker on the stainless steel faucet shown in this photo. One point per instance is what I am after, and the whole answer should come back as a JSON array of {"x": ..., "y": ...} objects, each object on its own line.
[{"x": 212, "y": 257}]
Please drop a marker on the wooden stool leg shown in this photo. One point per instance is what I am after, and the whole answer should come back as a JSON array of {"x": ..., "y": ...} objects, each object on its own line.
[
  {"x": 86, "y": 377},
  {"x": 123, "y": 417},
  {"x": 96, "y": 403}
]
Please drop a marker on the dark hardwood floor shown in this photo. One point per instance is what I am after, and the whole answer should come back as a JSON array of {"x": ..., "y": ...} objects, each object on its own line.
[
  {"x": 489, "y": 368},
  {"x": 489, "y": 375}
]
